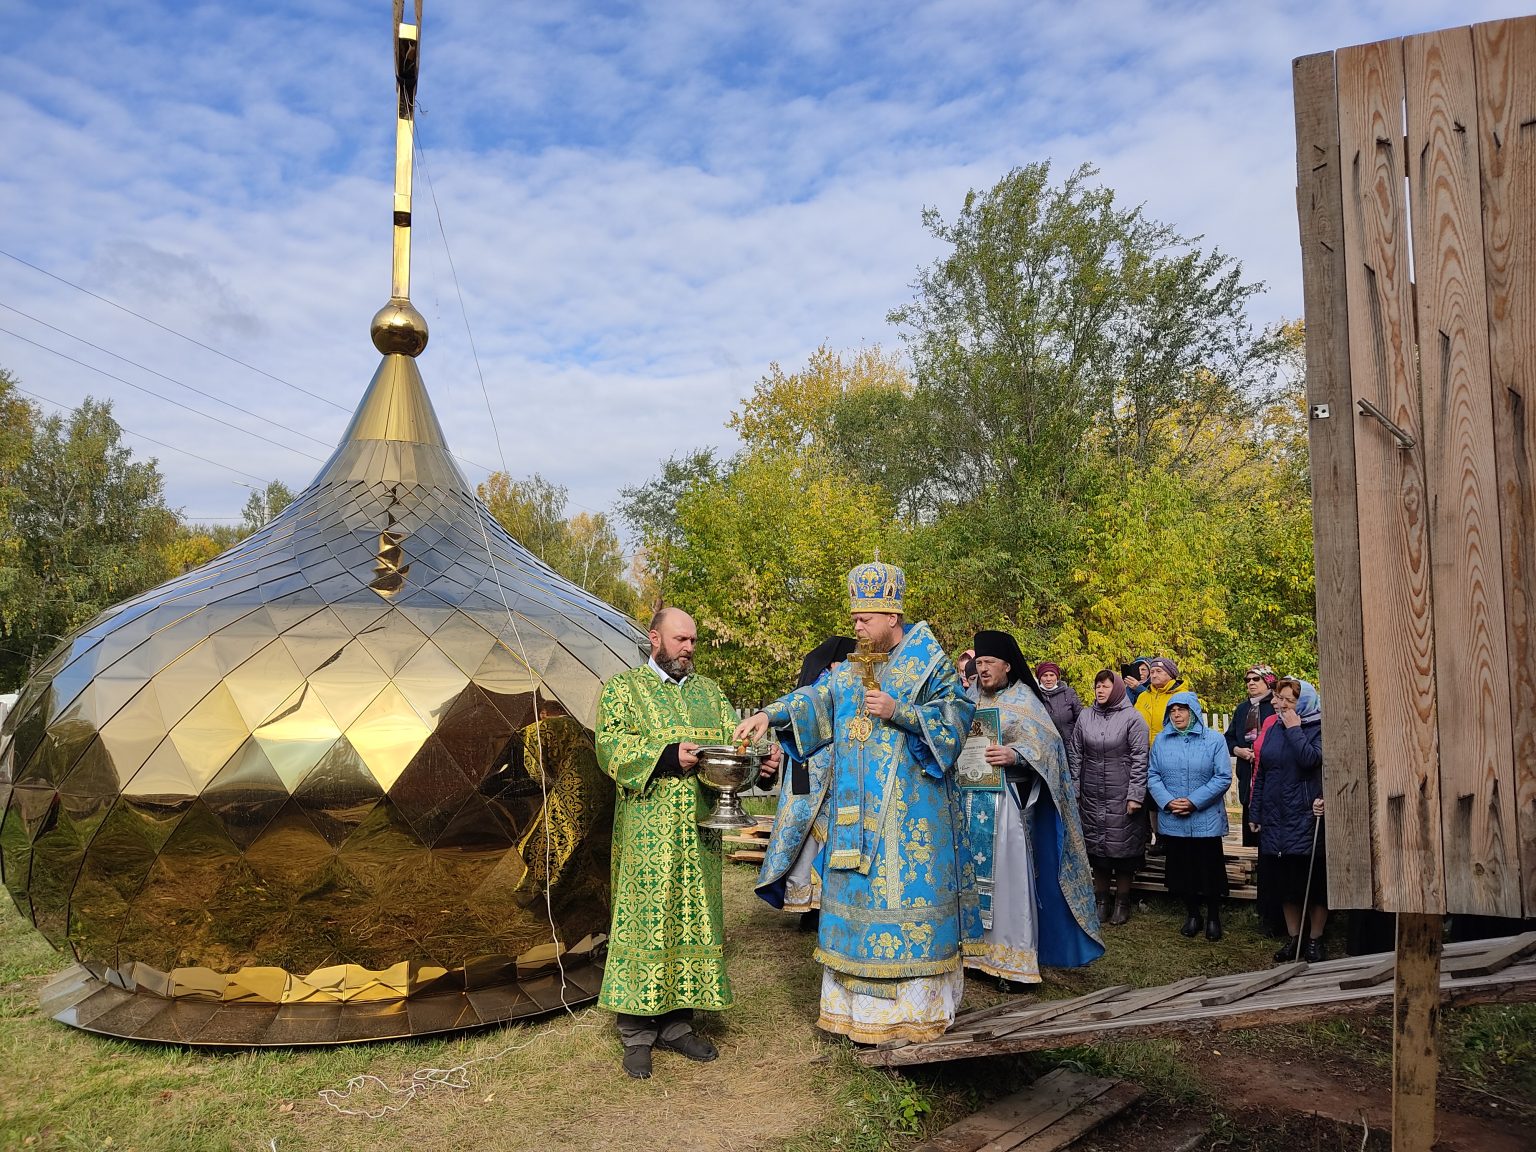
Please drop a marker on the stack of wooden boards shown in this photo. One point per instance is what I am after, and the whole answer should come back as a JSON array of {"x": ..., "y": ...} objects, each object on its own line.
[
  {"x": 1499, "y": 971},
  {"x": 750, "y": 844},
  {"x": 1242, "y": 871}
]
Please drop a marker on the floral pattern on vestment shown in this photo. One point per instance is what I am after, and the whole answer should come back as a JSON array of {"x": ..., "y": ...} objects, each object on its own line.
[
  {"x": 889, "y": 909},
  {"x": 798, "y": 818},
  {"x": 915, "y": 1010},
  {"x": 665, "y": 948}
]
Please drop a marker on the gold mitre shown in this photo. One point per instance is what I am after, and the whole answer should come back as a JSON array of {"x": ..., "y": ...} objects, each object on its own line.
[{"x": 876, "y": 587}]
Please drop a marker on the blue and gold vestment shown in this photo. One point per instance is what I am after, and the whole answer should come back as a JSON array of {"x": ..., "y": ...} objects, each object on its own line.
[{"x": 889, "y": 905}]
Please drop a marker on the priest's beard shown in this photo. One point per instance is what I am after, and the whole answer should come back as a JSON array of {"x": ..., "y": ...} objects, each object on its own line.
[{"x": 674, "y": 665}]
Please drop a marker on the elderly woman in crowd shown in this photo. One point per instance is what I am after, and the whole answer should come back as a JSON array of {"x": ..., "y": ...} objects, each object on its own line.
[
  {"x": 1188, "y": 777},
  {"x": 1286, "y": 807},
  {"x": 1242, "y": 737},
  {"x": 1243, "y": 733},
  {"x": 1108, "y": 757},
  {"x": 1061, "y": 699}
]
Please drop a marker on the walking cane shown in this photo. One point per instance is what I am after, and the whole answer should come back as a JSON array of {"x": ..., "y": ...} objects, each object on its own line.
[{"x": 1306, "y": 900}]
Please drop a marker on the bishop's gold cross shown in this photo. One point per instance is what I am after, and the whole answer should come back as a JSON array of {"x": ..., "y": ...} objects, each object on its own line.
[{"x": 862, "y": 726}]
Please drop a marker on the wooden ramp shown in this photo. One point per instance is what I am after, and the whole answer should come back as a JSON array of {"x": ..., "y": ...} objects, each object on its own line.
[
  {"x": 1480, "y": 972},
  {"x": 1051, "y": 1113}
]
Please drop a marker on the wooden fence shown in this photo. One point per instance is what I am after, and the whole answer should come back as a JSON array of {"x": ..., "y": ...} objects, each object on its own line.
[{"x": 1416, "y": 174}]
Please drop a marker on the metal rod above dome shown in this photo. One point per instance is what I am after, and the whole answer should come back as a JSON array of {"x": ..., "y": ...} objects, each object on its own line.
[{"x": 398, "y": 328}]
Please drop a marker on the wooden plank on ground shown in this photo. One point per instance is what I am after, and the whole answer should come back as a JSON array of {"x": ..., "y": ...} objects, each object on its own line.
[
  {"x": 1084, "y": 1119},
  {"x": 1393, "y": 504},
  {"x": 1125, "y": 1005},
  {"x": 1331, "y": 439},
  {"x": 1477, "y": 784},
  {"x": 1378, "y": 974},
  {"x": 1415, "y": 1036},
  {"x": 1294, "y": 1004},
  {"x": 1506, "y": 85},
  {"x": 1260, "y": 983},
  {"x": 1010, "y": 1024},
  {"x": 1495, "y": 959},
  {"x": 969, "y": 1134},
  {"x": 1081, "y": 1090}
]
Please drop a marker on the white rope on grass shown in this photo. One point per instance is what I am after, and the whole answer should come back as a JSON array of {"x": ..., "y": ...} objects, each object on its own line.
[{"x": 424, "y": 1080}]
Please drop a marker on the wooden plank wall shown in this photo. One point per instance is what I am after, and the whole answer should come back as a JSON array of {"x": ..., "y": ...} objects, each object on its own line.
[
  {"x": 1335, "y": 522},
  {"x": 1506, "y": 131},
  {"x": 1416, "y": 194}
]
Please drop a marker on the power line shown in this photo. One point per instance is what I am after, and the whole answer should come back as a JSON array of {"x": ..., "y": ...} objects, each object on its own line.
[
  {"x": 172, "y": 331},
  {"x": 141, "y": 436},
  {"x": 170, "y": 379},
  {"x": 167, "y": 399},
  {"x": 251, "y": 367}
]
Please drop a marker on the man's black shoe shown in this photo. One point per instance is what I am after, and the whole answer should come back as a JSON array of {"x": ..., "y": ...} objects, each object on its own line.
[
  {"x": 1213, "y": 929},
  {"x": 691, "y": 1045},
  {"x": 1287, "y": 952},
  {"x": 1191, "y": 927},
  {"x": 1312, "y": 951},
  {"x": 637, "y": 1061}
]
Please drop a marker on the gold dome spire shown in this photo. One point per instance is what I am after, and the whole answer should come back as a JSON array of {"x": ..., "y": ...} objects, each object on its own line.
[{"x": 339, "y": 783}]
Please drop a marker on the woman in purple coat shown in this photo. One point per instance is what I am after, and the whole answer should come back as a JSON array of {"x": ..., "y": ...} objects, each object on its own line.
[{"x": 1108, "y": 757}]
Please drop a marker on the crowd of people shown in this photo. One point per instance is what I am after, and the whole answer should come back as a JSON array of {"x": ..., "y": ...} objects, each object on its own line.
[{"x": 938, "y": 816}]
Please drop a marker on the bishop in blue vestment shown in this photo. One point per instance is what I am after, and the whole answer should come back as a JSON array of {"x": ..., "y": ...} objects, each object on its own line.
[{"x": 890, "y": 933}]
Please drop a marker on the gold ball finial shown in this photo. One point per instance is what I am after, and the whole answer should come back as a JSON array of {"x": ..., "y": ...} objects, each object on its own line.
[{"x": 398, "y": 327}]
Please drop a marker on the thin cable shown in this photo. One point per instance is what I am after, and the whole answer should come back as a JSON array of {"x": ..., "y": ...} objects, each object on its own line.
[
  {"x": 169, "y": 379},
  {"x": 167, "y": 399},
  {"x": 421, "y": 153},
  {"x": 172, "y": 331},
  {"x": 141, "y": 436},
  {"x": 549, "y": 907},
  {"x": 424, "y": 1080}
]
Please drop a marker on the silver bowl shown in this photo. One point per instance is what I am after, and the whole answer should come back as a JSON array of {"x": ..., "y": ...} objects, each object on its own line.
[{"x": 726, "y": 769}]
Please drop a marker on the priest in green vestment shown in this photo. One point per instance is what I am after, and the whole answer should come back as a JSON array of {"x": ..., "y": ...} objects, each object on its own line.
[{"x": 665, "y": 948}]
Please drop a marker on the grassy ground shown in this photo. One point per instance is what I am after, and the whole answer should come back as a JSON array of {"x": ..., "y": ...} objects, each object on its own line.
[{"x": 556, "y": 1084}]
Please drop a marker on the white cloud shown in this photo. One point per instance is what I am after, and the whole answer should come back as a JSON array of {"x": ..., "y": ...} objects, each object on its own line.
[{"x": 646, "y": 205}]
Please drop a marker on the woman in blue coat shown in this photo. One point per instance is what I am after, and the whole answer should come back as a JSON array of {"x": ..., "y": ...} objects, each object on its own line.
[
  {"x": 1188, "y": 777},
  {"x": 1286, "y": 806}
]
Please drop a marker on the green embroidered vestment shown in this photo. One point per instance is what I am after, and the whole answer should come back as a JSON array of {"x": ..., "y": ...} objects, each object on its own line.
[{"x": 665, "y": 949}]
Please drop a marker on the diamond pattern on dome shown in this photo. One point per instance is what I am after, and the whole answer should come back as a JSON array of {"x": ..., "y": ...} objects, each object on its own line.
[
  {"x": 386, "y": 735},
  {"x": 328, "y": 770},
  {"x": 208, "y": 735}
]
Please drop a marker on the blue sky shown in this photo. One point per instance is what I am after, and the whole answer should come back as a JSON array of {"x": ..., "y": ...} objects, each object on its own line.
[{"x": 646, "y": 204}]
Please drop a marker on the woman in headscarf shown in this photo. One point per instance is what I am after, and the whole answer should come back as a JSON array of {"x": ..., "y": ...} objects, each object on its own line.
[
  {"x": 1243, "y": 733},
  {"x": 1242, "y": 737},
  {"x": 1108, "y": 757},
  {"x": 1060, "y": 698},
  {"x": 1188, "y": 777},
  {"x": 1286, "y": 807},
  {"x": 790, "y": 878}
]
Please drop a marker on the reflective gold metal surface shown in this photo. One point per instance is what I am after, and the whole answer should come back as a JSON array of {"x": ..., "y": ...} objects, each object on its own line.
[{"x": 345, "y": 767}]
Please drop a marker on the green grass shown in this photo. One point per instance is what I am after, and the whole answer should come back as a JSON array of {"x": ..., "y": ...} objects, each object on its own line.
[{"x": 779, "y": 1083}]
